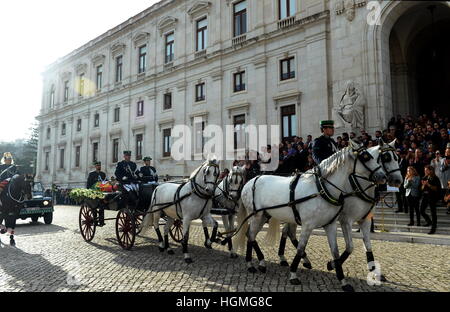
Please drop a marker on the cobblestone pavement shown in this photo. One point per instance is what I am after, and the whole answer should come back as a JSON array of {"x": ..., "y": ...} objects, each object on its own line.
[{"x": 56, "y": 258}]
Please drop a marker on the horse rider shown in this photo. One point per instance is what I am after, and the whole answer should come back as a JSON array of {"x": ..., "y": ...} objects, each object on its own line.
[
  {"x": 95, "y": 176},
  {"x": 7, "y": 170},
  {"x": 324, "y": 146},
  {"x": 127, "y": 174},
  {"x": 148, "y": 173}
]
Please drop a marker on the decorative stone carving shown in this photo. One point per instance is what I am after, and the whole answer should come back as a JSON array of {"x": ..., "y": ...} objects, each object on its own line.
[
  {"x": 199, "y": 7},
  {"x": 350, "y": 112},
  {"x": 141, "y": 38},
  {"x": 348, "y": 7},
  {"x": 98, "y": 59},
  {"x": 117, "y": 49}
]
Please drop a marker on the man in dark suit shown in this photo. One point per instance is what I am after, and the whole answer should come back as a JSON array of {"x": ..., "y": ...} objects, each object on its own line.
[
  {"x": 324, "y": 146},
  {"x": 148, "y": 173},
  {"x": 401, "y": 194},
  {"x": 96, "y": 175}
]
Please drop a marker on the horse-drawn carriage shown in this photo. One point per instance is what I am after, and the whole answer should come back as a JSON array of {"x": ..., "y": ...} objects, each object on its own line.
[{"x": 128, "y": 219}]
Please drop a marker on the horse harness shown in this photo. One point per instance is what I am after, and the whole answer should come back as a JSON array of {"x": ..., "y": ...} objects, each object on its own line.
[
  {"x": 362, "y": 155},
  {"x": 196, "y": 189},
  {"x": 225, "y": 192}
]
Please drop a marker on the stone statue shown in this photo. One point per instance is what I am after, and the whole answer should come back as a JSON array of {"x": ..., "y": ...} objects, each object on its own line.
[{"x": 350, "y": 112}]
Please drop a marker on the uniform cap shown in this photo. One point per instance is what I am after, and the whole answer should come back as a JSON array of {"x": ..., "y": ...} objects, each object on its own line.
[
  {"x": 126, "y": 153},
  {"x": 7, "y": 155},
  {"x": 327, "y": 123},
  {"x": 97, "y": 163},
  {"x": 147, "y": 158}
]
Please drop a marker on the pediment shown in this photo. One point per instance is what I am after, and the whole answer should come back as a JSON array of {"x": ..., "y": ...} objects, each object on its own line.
[
  {"x": 80, "y": 68},
  {"x": 199, "y": 6},
  {"x": 141, "y": 37},
  {"x": 167, "y": 22},
  {"x": 98, "y": 59},
  {"x": 117, "y": 48}
]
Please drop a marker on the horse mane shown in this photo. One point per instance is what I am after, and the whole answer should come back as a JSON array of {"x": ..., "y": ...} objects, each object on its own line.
[
  {"x": 332, "y": 163},
  {"x": 197, "y": 170}
]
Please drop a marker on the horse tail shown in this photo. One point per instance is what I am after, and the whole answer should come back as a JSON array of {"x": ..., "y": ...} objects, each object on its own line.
[
  {"x": 273, "y": 233},
  {"x": 239, "y": 240}
]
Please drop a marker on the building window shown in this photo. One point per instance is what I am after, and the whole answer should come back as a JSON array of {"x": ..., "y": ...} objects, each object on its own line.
[
  {"x": 140, "y": 108},
  {"x": 287, "y": 68},
  {"x": 115, "y": 151},
  {"x": 202, "y": 34},
  {"x": 199, "y": 137},
  {"x": 239, "y": 131},
  {"x": 47, "y": 158},
  {"x": 66, "y": 91},
  {"x": 77, "y": 156},
  {"x": 166, "y": 142},
  {"x": 61, "y": 158},
  {"x": 170, "y": 40},
  {"x": 119, "y": 65},
  {"x": 142, "y": 58},
  {"x": 96, "y": 120},
  {"x": 99, "y": 77},
  {"x": 239, "y": 81},
  {"x": 63, "y": 129},
  {"x": 240, "y": 18},
  {"x": 139, "y": 142},
  {"x": 48, "y": 133},
  {"x": 52, "y": 97},
  {"x": 286, "y": 8},
  {"x": 200, "y": 92},
  {"x": 95, "y": 152},
  {"x": 117, "y": 114},
  {"x": 288, "y": 122},
  {"x": 81, "y": 87},
  {"x": 167, "y": 101},
  {"x": 79, "y": 125}
]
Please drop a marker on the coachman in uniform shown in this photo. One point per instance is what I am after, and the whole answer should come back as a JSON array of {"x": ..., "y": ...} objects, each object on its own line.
[
  {"x": 127, "y": 174},
  {"x": 96, "y": 175},
  {"x": 147, "y": 172},
  {"x": 7, "y": 170},
  {"x": 324, "y": 146}
]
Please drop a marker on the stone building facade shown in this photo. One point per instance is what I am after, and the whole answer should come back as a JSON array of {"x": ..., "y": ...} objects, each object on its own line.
[{"x": 227, "y": 62}]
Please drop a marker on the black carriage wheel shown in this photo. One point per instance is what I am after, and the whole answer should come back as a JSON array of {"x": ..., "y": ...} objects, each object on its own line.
[
  {"x": 176, "y": 231},
  {"x": 87, "y": 223},
  {"x": 125, "y": 229},
  {"x": 138, "y": 218}
]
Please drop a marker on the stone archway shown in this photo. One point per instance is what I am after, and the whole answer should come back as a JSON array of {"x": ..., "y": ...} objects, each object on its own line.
[
  {"x": 420, "y": 69},
  {"x": 392, "y": 58}
]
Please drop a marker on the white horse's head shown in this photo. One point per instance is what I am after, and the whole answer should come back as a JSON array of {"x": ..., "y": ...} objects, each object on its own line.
[
  {"x": 367, "y": 162},
  {"x": 235, "y": 182},
  {"x": 209, "y": 172},
  {"x": 389, "y": 161}
]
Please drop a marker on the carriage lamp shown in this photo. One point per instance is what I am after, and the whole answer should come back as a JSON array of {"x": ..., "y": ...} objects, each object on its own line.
[{"x": 45, "y": 202}]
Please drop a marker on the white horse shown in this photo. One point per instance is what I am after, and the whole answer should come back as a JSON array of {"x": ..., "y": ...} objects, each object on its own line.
[
  {"x": 188, "y": 201},
  {"x": 315, "y": 201},
  {"x": 227, "y": 196},
  {"x": 356, "y": 209}
]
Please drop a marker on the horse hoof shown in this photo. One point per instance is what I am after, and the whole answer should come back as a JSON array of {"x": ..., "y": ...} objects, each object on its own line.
[
  {"x": 330, "y": 266},
  {"x": 170, "y": 252},
  {"x": 12, "y": 242},
  {"x": 284, "y": 263},
  {"x": 294, "y": 281},
  {"x": 208, "y": 246},
  {"x": 348, "y": 288},
  {"x": 188, "y": 260},
  {"x": 161, "y": 249},
  {"x": 233, "y": 256},
  {"x": 308, "y": 266},
  {"x": 383, "y": 278},
  {"x": 252, "y": 270},
  {"x": 262, "y": 269},
  {"x": 224, "y": 242}
]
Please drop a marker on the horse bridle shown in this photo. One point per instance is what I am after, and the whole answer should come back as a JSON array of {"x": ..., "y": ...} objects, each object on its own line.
[
  {"x": 21, "y": 200},
  {"x": 226, "y": 191},
  {"x": 385, "y": 157},
  {"x": 201, "y": 190}
]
